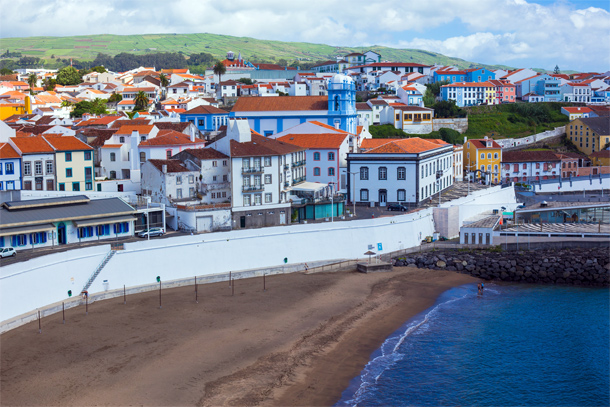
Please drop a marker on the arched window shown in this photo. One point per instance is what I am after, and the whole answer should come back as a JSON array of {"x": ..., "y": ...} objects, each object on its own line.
[
  {"x": 331, "y": 171},
  {"x": 364, "y": 173},
  {"x": 316, "y": 171},
  {"x": 316, "y": 156},
  {"x": 401, "y": 173}
]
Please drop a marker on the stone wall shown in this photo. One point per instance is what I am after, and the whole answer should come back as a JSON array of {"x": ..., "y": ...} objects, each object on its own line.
[
  {"x": 460, "y": 125},
  {"x": 576, "y": 266}
]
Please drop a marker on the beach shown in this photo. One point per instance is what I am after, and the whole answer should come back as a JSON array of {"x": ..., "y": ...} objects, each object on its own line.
[{"x": 300, "y": 342}]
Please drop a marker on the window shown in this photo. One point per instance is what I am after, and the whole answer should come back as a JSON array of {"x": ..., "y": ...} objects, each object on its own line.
[
  {"x": 178, "y": 193},
  {"x": 68, "y": 172},
  {"x": 68, "y": 156},
  {"x": 62, "y": 186},
  {"x": 258, "y": 199},
  {"x": 168, "y": 154},
  {"x": 214, "y": 178},
  {"x": 178, "y": 179},
  {"x": 364, "y": 173},
  {"x": 225, "y": 178},
  {"x": 201, "y": 122},
  {"x": 85, "y": 231},
  {"x": 268, "y": 179},
  {"x": 27, "y": 168},
  {"x": 268, "y": 198},
  {"x": 88, "y": 173},
  {"x": 38, "y": 167},
  {"x": 142, "y": 138},
  {"x": 401, "y": 195},
  {"x": 316, "y": 156},
  {"x": 364, "y": 194},
  {"x": 482, "y": 156},
  {"x": 88, "y": 186},
  {"x": 103, "y": 230},
  {"x": 383, "y": 173},
  {"x": 214, "y": 163},
  {"x": 267, "y": 162},
  {"x": 76, "y": 186},
  {"x": 112, "y": 156},
  {"x": 27, "y": 185},
  {"x": 495, "y": 156},
  {"x": 245, "y": 163},
  {"x": 191, "y": 192},
  {"x": 316, "y": 171},
  {"x": 191, "y": 179},
  {"x": 331, "y": 156},
  {"x": 401, "y": 173},
  {"x": 246, "y": 200},
  {"x": 331, "y": 171},
  {"x": 112, "y": 174},
  {"x": 489, "y": 156},
  {"x": 38, "y": 238},
  {"x": 224, "y": 163},
  {"x": 121, "y": 139}
]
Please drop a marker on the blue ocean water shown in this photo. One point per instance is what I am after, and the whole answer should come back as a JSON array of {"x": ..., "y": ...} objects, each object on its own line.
[{"x": 514, "y": 345}]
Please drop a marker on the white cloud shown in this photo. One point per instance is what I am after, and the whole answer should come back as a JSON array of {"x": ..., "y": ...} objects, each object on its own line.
[{"x": 500, "y": 31}]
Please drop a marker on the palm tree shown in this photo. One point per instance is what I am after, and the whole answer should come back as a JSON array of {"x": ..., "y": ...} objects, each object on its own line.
[
  {"x": 32, "y": 81},
  {"x": 219, "y": 69},
  {"x": 141, "y": 101},
  {"x": 164, "y": 82}
]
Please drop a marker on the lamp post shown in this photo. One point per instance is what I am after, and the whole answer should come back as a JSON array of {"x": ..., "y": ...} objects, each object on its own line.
[
  {"x": 354, "y": 191},
  {"x": 147, "y": 218},
  {"x": 332, "y": 203}
]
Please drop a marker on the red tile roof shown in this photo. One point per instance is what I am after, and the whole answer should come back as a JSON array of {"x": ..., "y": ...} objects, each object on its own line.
[
  {"x": 7, "y": 151},
  {"x": 529, "y": 156},
  {"x": 206, "y": 153},
  {"x": 32, "y": 145},
  {"x": 406, "y": 146},
  {"x": 142, "y": 129},
  {"x": 369, "y": 143},
  {"x": 172, "y": 165},
  {"x": 205, "y": 109},
  {"x": 481, "y": 143},
  {"x": 169, "y": 138},
  {"x": 328, "y": 126},
  {"x": 327, "y": 141},
  {"x": 600, "y": 154},
  {"x": 281, "y": 104},
  {"x": 363, "y": 106},
  {"x": 262, "y": 146},
  {"x": 68, "y": 143}
]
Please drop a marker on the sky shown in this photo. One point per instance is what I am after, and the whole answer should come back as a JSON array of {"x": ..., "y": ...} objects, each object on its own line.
[{"x": 572, "y": 34}]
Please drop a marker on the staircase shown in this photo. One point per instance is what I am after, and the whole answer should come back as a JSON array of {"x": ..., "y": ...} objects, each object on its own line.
[{"x": 98, "y": 269}]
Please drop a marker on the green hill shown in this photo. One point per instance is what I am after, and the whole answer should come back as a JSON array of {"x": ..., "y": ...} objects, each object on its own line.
[{"x": 87, "y": 48}]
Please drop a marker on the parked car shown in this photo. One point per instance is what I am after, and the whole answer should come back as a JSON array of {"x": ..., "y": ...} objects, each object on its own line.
[
  {"x": 152, "y": 232},
  {"x": 397, "y": 207},
  {"x": 7, "y": 252}
]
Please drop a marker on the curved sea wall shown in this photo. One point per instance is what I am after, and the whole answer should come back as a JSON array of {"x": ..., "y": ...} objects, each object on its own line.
[{"x": 575, "y": 266}]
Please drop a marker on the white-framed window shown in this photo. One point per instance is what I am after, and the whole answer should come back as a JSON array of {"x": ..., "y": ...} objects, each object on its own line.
[
  {"x": 191, "y": 179},
  {"x": 27, "y": 168},
  {"x": 268, "y": 198},
  {"x": 257, "y": 199},
  {"x": 401, "y": 173},
  {"x": 364, "y": 194},
  {"x": 364, "y": 173},
  {"x": 268, "y": 179},
  {"x": 179, "y": 179},
  {"x": 178, "y": 193},
  {"x": 482, "y": 156},
  {"x": 245, "y": 163},
  {"x": 49, "y": 165},
  {"x": 267, "y": 161},
  {"x": 246, "y": 200},
  {"x": 383, "y": 173},
  {"x": 401, "y": 195}
]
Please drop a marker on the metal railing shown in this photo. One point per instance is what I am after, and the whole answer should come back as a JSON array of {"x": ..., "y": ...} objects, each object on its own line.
[
  {"x": 252, "y": 170},
  {"x": 252, "y": 188}
]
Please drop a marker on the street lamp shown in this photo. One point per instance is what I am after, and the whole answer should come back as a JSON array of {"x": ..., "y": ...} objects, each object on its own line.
[
  {"x": 354, "y": 190},
  {"x": 147, "y": 218},
  {"x": 332, "y": 204}
]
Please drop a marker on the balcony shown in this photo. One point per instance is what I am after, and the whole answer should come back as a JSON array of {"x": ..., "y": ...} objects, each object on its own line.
[
  {"x": 252, "y": 170},
  {"x": 286, "y": 184},
  {"x": 297, "y": 180},
  {"x": 299, "y": 163},
  {"x": 286, "y": 167},
  {"x": 252, "y": 188}
]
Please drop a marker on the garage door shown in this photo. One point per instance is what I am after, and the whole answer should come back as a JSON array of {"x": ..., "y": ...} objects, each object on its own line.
[{"x": 204, "y": 224}]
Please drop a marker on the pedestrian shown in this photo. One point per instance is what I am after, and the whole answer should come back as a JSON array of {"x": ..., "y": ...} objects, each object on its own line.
[
  {"x": 479, "y": 288},
  {"x": 85, "y": 294},
  {"x": 482, "y": 287},
  {"x": 306, "y": 267}
]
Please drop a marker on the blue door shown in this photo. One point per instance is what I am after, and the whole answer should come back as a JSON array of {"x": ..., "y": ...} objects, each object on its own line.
[{"x": 61, "y": 233}]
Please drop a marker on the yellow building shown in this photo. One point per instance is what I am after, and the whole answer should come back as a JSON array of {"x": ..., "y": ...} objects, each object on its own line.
[
  {"x": 589, "y": 134},
  {"x": 73, "y": 163},
  {"x": 483, "y": 157},
  {"x": 600, "y": 158},
  {"x": 9, "y": 109}
]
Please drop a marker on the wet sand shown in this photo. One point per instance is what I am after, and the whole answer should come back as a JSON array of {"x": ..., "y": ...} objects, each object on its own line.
[{"x": 298, "y": 343}]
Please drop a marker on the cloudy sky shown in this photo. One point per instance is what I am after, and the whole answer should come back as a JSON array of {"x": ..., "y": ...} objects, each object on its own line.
[{"x": 573, "y": 34}]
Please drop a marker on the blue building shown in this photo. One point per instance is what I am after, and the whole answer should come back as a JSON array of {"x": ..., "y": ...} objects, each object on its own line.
[
  {"x": 451, "y": 76},
  {"x": 10, "y": 168},
  {"x": 271, "y": 115},
  {"x": 206, "y": 118},
  {"x": 544, "y": 85},
  {"x": 479, "y": 75}
]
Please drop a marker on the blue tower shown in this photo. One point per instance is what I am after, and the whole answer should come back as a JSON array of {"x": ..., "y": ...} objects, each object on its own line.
[{"x": 342, "y": 103}]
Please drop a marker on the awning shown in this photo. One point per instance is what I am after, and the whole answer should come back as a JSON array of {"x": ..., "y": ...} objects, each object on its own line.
[
  {"x": 27, "y": 229},
  {"x": 103, "y": 221},
  {"x": 308, "y": 186}
]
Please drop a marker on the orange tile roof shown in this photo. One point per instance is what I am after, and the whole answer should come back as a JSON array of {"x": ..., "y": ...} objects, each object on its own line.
[
  {"x": 206, "y": 109},
  {"x": 31, "y": 145},
  {"x": 112, "y": 146},
  {"x": 406, "y": 146},
  {"x": 369, "y": 143},
  {"x": 262, "y": 146},
  {"x": 572, "y": 109},
  {"x": 329, "y": 127},
  {"x": 106, "y": 120},
  {"x": 169, "y": 138},
  {"x": 328, "y": 140},
  {"x": 142, "y": 129},
  {"x": 7, "y": 151},
  {"x": 67, "y": 143},
  {"x": 480, "y": 143},
  {"x": 281, "y": 104}
]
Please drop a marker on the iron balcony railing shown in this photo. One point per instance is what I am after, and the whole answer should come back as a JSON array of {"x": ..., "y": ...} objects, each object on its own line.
[
  {"x": 252, "y": 188},
  {"x": 252, "y": 170}
]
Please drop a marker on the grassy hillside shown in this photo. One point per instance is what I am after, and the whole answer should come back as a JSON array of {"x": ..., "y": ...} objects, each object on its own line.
[{"x": 87, "y": 47}]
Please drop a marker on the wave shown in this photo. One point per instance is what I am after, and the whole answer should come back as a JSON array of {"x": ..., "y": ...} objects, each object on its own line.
[{"x": 391, "y": 348}]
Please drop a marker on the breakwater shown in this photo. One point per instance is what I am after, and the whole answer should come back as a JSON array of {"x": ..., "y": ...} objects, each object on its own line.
[{"x": 575, "y": 266}]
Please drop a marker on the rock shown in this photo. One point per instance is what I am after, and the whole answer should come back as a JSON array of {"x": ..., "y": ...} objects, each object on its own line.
[{"x": 441, "y": 264}]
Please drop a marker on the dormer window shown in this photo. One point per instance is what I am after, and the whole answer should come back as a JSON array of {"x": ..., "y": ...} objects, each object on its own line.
[{"x": 489, "y": 144}]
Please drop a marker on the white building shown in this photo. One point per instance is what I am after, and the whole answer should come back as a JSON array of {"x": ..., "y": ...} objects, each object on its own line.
[
  {"x": 405, "y": 171},
  {"x": 529, "y": 166},
  {"x": 166, "y": 144},
  {"x": 169, "y": 182},
  {"x": 118, "y": 151},
  {"x": 214, "y": 173},
  {"x": 38, "y": 162}
]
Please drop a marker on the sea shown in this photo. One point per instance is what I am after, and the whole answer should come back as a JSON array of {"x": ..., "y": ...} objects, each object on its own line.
[{"x": 512, "y": 345}]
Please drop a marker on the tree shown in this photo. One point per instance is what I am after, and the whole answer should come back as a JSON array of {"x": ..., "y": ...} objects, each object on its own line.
[
  {"x": 447, "y": 108},
  {"x": 141, "y": 101},
  {"x": 6, "y": 71},
  {"x": 97, "y": 107},
  {"x": 163, "y": 79},
  {"x": 49, "y": 84},
  {"x": 282, "y": 62},
  {"x": 246, "y": 81},
  {"x": 219, "y": 69},
  {"x": 115, "y": 97},
  {"x": 99, "y": 69},
  {"x": 32, "y": 81},
  {"x": 556, "y": 70},
  {"x": 68, "y": 76},
  {"x": 451, "y": 136}
]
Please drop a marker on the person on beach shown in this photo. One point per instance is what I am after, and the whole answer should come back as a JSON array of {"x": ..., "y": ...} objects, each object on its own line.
[
  {"x": 85, "y": 294},
  {"x": 482, "y": 287},
  {"x": 479, "y": 288}
]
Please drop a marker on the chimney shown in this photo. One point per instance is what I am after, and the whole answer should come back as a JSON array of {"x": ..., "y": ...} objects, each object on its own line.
[
  {"x": 164, "y": 168},
  {"x": 192, "y": 136}
]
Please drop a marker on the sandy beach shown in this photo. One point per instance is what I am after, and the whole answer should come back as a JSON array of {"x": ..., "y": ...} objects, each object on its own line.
[{"x": 299, "y": 342}]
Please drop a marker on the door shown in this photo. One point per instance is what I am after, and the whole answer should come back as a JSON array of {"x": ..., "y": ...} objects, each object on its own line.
[
  {"x": 61, "y": 233},
  {"x": 488, "y": 238},
  {"x": 282, "y": 218},
  {"x": 204, "y": 224},
  {"x": 383, "y": 197},
  {"x": 465, "y": 238},
  {"x": 242, "y": 222}
]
